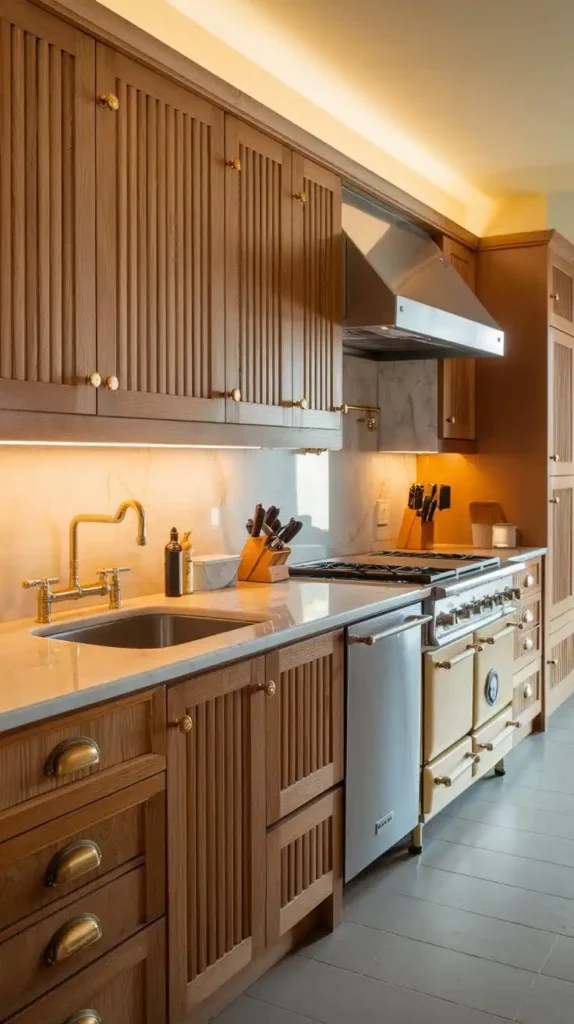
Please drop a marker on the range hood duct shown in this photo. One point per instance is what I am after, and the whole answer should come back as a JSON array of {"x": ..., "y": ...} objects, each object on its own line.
[{"x": 403, "y": 300}]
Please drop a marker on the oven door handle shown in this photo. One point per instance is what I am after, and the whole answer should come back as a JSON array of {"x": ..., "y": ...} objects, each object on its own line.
[
  {"x": 497, "y": 636},
  {"x": 373, "y": 638},
  {"x": 451, "y": 662},
  {"x": 493, "y": 744}
]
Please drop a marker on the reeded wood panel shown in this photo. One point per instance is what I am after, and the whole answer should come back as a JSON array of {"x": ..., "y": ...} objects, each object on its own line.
[
  {"x": 457, "y": 376},
  {"x": 561, "y": 294},
  {"x": 160, "y": 246},
  {"x": 258, "y": 275},
  {"x": 305, "y": 860},
  {"x": 216, "y": 830},
  {"x": 317, "y": 294},
  {"x": 561, "y": 426},
  {"x": 559, "y": 667},
  {"x": 561, "y": 546},
  {"x": 305, "y": 723},
  {"x": 47, "y": 199}
]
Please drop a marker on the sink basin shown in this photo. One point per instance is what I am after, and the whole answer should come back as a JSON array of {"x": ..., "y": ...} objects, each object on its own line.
[{"x": 148, "y": 630}]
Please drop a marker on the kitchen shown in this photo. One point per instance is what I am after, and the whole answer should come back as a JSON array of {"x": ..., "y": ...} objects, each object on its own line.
[{"x": 189, "y": 781}]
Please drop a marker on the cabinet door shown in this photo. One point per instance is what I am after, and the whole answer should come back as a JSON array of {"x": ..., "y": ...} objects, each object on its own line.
[
  {"x": 47, "y": 195},
  {"x": 304, "y": 715},
  {"x": 560, "y": 402},
  {"x": 317, "y": 296},
  {"x": 216, "y": 830},
  {"x": 160, "y": 246},
  {"x": 561, "y": 297},
  {"x": 457, "y": 382},
  {"x": 560, "y": 559},
  {"x": 258, "y": 316}
]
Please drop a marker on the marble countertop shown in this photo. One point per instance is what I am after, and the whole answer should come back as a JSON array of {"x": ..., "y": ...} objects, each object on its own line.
[{"x": 44, "y": 676}]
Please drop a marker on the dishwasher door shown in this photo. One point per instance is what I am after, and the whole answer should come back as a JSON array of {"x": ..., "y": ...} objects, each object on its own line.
[{"x": 383, "y": 734}]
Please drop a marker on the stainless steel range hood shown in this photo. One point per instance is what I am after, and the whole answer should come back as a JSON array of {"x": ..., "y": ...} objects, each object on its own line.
[{"x": 403, "y": 300}]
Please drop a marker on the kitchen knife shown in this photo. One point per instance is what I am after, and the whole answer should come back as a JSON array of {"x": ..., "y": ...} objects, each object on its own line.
[
  {"x": 258, "y": 517},
  {"x": 444, "y": 497},
  {"x": 432, "y": 509},
  {"x": 411, "y": 501},
  {"x": 249, "y": 526},
  {"x": 426, "y": 507},
  {"x": 433, "y": 492},
  {"x": 294, "y": 526},
  {"x": 419, "y": 495},
  {"x": 276, "y": 526},
  {"x": 271, "y": 515}
]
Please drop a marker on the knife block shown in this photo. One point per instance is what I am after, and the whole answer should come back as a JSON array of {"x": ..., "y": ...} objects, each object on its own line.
[
  {"x": 262, "y": 565},
  {"x": 414, "y": 535}
]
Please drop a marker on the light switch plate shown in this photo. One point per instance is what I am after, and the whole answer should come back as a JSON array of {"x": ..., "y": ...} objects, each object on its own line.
[{"x": 382, "y": 512}]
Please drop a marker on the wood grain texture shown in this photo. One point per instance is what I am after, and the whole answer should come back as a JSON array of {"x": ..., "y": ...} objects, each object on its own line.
[
  {"x": 126, "y": 986},
  {"x": 561, "y": 404},
  {"x": 560, "y": 666},
  {"x": 527, "y": 690},
  {"x": 160, "y": 246},
  {"x": 561, "y": 293},
  {"x": 304, "y": 723},
  {"x": 560, "y": 559},
  {"x": 47, "y": 221}
]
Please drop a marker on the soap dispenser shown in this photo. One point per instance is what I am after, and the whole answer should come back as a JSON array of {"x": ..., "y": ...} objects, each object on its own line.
[{"x": 173, "y": 565}]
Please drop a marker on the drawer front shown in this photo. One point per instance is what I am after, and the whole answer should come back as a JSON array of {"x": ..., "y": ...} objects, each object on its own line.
[
  {"x": 43, "y": 956},
  {"x": 493, "y": 669},
  {"x": 124, "y": 987},
  {"x": 448, "y": 697},
  {"x": 493, "y": 740},
  {"x": 304, "y": 862},
  {"x": 447, "y": 776},
  {"x": 55, "y": 860},
  {"x": 99, "y": 742},
  {"x": 529, "y": 579},
  {"x": 529, "y": 612},
  {"x": 526, "y": 644}
]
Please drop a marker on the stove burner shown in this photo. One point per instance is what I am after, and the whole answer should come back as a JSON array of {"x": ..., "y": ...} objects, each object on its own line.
[{"x": 330, "y": 570}]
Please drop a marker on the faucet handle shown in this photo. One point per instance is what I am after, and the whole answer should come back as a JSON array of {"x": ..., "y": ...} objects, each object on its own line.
[
  {"x": 114, "y": 571},
  {"x": 44, "y": 581}
]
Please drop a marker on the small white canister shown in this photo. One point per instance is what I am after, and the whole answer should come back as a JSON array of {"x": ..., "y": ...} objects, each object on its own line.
[
  {"x": 215, "y": 572},
  {"x": 504, "y": 535}
]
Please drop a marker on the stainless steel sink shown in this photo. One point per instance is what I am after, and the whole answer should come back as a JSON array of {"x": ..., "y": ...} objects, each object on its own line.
[{"x": 148, "y": 630}]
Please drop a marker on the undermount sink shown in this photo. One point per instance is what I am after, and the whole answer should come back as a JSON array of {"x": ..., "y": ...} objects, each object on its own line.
[{"x": 148, "y": 630}]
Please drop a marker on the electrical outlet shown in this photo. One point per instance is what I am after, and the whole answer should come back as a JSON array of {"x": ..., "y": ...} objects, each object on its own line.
[{"x": 382, "y": 512}]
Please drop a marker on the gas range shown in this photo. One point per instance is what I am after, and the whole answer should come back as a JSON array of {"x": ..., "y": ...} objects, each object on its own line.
[{"x": 467, "y": 591}]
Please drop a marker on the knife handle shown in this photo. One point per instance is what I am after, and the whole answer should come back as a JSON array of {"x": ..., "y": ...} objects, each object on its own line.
[{"x": 258, "y": 517}]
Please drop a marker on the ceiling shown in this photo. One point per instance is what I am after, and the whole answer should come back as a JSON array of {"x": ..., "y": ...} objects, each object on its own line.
[{"x": 485, "y": 86}]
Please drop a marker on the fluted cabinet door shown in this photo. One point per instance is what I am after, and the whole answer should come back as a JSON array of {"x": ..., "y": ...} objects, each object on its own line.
[
  {"x": 560, "y": 560},
  {"x": 47, "y": 201},
  {"x": 317, "y": 296},
  {"x": 457, "y": 376},
  {"x": 561, "y": 293},
  {"x": 216, "y": 830},
  {"x": 160, "y": 245},
  {"x": 561, "y": 402},
  {"x": 258, "y": 233}
]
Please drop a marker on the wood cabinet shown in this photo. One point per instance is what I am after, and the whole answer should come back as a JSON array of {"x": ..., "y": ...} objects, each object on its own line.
[
  {"x": 457, "y": 376},
  {"x": 560, "y": 560},
  {"x": 47, "y": 213},
  {"x": 561, "y": 293},
  {"x": 560, "y": 402},
  {"x": 160, "y": 234}
]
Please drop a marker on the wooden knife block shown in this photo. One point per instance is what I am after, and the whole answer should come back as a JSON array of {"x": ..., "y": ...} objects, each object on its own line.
[
  {"x": 414, "y": 534},
  {"x": 261, "y": 565}
]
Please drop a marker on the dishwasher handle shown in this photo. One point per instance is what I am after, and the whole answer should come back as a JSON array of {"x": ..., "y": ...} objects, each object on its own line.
[{"x": 372, "y": 638}]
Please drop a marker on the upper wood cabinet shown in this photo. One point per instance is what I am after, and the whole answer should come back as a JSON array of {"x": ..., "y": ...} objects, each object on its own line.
[
  {"x": 560, "y": 402},
  {"x": 561, "y": 293},
  {"x": 47, "y": 188},
  {"x": 457, "y": 386},
  {"x": 160, "y": 246}
]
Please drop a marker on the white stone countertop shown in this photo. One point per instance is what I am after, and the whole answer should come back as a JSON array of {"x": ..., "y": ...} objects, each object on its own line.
[{"x": 42, "y": 676}]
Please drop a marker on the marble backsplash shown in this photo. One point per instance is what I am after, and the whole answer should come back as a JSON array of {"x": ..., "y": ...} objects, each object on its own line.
[{"x": 211, "y": 492}]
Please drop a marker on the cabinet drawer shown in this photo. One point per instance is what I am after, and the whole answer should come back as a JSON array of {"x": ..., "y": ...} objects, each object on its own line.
[
  {"x": 527, "y": 691},
  {"x": 493, "y": 669},
  {"x": 530, "y": 578},
  {"x": 529, "y": 612},
  {"x": 526, "y": 644},
  {"x": 54, "y": 860},
  {"x": 447, "y": 776},
  {"x": 43, "y": 956},
  {"x": 123, "y": 987},
  {"x": 83, "y": 755},
  {"x": 448, "y": 696},
  {"x": 493, "y": 741},
  {"x": 304, "y": 862}
]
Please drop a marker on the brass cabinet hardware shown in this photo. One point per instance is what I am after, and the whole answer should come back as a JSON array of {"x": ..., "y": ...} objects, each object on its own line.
[
  {"x": 74, "y": 860},
  {"x": 554, "y": 501},
  {"x": 109, "y": 100},
  {"x": 451, "y": 419},
  {"x": 184, "y": 724},
  {"x": 447, "y": 780},
  {"x": 72, "y": 756},
  {"x": 371, "y": 411},
  {"x": 527, "y": 691},
  {"x": 300, "y": 403},
  {"x": 72, "y": 937},
  {"x": 527, "y": 643},
  {"x": 517, "y": 625},
  {"x": 84, "y": 1017},
  {"x": 468, "y": 653},
  {"x": 111, "y": 383},
  {"x": 269, "y": 688},
  {"x": 497, "y": 636},
  {"x": 555, "y": 458},
  {"x": 300, "y": 196},
  {"x": 234, "y": 394},
  {"x": 552, "y": 661},
  {"x": 555, "y": 296},
  {"x": 529, "y": 580},
  {"x": 235, "y": 163},
  {"x": 95, "y": 379},
  {"x": 513, "y": 725}
]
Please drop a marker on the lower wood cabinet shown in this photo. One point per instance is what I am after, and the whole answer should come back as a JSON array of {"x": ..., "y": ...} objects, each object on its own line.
[{"x": 560, "y": 559}]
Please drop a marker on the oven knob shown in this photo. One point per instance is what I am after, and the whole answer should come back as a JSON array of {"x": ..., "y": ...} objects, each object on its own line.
[
  {"x": 476, "y": 607},
  {"x": 464, "y": 612},
  {"x": 509, "y": 594},
  {"x": 486, "y": 603},
  {"x": 499, "y": 598},
  {"x": 446, "y": 619}
]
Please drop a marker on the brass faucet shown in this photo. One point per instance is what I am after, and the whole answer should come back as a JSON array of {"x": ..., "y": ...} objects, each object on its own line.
[{"x": 108, "y": 579}]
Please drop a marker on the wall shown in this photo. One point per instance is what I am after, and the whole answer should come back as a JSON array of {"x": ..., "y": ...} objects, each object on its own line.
[{"x": 192, "y": 489}]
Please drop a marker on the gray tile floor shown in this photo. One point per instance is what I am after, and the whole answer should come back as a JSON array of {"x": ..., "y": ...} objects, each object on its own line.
[{"x": 478, "y": 928}]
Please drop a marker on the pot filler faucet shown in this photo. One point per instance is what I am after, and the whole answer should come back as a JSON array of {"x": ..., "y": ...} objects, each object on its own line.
[{"x": 108, "y": 579}]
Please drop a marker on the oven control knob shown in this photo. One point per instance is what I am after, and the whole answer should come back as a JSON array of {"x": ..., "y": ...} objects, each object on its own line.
[
  {"x": 486, "y": 603},
  {"x": 499, "y": 598},
  {"x": 476, "y": 607},
  {"x": 464, "y": 611},
  {"x": 509, "y": 594},
  {"x": 446, "y": 619}
]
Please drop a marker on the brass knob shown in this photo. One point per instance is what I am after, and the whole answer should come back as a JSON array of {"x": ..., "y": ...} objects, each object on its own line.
[
  {"x": 451, "y": 419},
  {"x": 72, "y": 756},
  {"x": 95, "y": 379},
  {"x": 529, "y": 580},
  {"x": 72, "y": 938},
  {"x": 554, "y": 501},
  {"x": 107, "y": 99},
  {"x": 234, "y": 395},
  {"x": 527, "y": 691},
  {"x": 555, "y": 296},
  {"x": 528, "y": 615},
  {"x": 527, "y": 643},
  {"x": 301, "y": 197},
  {"x": 185, "y": 724},
  {"x": 235, "y": 164},
  {"x": 555, "y": 458},
  {"x": 112, "y": 383},
  {"x": 269, "y": 688},
  {"x": 74, "y": 860},
  {"x": 300, "y": 403},
  {"x": 552, "y": 661}
]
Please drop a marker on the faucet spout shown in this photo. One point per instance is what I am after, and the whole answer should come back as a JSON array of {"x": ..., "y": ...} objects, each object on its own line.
[
  {"x": 118, "y": 517},
  {"x": 141, "y": 538}
]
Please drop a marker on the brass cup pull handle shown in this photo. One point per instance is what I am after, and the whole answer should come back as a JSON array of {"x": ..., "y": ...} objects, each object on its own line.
[
  {"x": 111, "y": 383},
  {"x": 84, "y": 1017},
  {"x": 72, "y": 756},
  {"x": 72, "y": 938},
  {"x": 235, "y": 163},
  {"x": 74, "y": 860},
  {"x": 269, "y": 688},
  {"x": 94, "y": 379},
  {"x": 109, "y": 100},
  {"x": 301, "y": 197}
]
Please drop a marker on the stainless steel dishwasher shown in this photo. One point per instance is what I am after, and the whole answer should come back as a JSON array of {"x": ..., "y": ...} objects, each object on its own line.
[{"x": 383, "y": 734}]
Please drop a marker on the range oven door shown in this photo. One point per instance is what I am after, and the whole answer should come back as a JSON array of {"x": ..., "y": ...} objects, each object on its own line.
[
  {"x": 448, "y": 696},
  {"x": 493, "y": 669}
]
